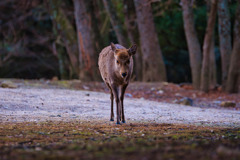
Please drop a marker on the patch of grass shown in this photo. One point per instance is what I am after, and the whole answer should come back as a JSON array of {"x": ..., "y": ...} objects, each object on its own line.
[{"x": 99, "y": 140}]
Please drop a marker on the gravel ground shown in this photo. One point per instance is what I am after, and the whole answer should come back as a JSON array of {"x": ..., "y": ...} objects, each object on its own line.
[{"x": 21, "y": 104}]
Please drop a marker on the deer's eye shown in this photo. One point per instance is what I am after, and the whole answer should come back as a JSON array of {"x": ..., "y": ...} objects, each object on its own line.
[{"x": 117, "y": 61}]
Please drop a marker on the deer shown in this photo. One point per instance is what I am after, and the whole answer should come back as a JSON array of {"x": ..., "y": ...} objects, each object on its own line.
[{"x": 116, "y": 66}]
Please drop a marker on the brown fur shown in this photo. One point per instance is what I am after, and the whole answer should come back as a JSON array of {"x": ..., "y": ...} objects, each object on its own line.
[
  {"x": 115, "y": 61},
  {"x": 122, "y": 54}
]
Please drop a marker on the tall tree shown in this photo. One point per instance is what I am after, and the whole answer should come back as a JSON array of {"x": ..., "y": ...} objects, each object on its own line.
[
  {"x": 95, "y": 16},
  {"x": 212, "y": 66},
  {"x": 192, "y": 42},
  {"x": 116, "y": 24},
  {"x": 86, "y": 42},
  {"x": 63, "y": 61},
  {"x": 133, "y": 34},
  {"x": 66, "y": 36},
  {"x": 212, "y": 59},
  {"x": 224, "y": 31},
  {"x": 207, "y": 47},
  {"x": 234, "y": 69},
  {"x": 153, "y": 64}
]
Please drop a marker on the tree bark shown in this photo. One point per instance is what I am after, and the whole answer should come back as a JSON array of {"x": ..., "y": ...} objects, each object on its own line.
[
  {"x": 192, "y": 42},
  {"x": 87, "y": 49},
  {"x": 153, "y": 64},
  {"x": 234, "y": 69},
  {"x": 224, "y": 31},
  {"x": 207, "y": 47},
  {"x": 133, "y": 35},
  {"x": 117, "y": 26}
]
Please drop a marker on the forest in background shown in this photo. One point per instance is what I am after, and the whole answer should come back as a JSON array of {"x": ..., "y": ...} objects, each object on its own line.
[{"x": 179, "y": 41}]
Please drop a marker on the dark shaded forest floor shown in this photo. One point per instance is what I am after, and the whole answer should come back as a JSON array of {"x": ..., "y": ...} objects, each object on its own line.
[{"x": 104, "y": 140}]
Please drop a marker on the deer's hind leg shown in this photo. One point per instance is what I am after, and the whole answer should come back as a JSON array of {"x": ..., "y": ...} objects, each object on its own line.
[{"x": 111, "y": 97}]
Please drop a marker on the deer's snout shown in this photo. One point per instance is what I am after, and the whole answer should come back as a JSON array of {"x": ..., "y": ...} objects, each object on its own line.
[{"x": 124, "y": 74}]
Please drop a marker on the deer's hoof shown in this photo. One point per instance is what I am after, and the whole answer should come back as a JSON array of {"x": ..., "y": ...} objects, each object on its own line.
[
  {"x": 111, "y": 119},
  {"x": 123, "y": 121},
  {"x": 118, "y": 123}
]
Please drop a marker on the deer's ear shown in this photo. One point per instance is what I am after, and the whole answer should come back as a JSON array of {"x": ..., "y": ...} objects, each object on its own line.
[
  {"x": 132, "y": 50},
  {"x": 113, "y": 47}
]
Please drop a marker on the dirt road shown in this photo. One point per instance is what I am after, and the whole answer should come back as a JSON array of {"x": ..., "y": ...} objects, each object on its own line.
[{"x": 21, "y": 104}]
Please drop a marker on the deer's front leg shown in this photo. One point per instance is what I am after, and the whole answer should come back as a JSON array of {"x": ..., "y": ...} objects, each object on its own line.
[
  {"x": 111, "y": 97},
  {"x": 115, "y": 93},
  {"x": 123, "y": 89},
  {"x": 112, "y": 114}
]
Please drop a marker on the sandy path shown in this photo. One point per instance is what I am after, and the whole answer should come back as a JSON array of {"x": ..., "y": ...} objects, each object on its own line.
[{"x": 66, "y": 105}]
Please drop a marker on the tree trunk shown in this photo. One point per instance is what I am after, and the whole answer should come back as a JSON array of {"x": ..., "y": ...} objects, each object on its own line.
[
  {"x": 224, "y": 31},
  {"x": 212, "y": 67},
  {"x": 207, "y": 47},
  {"x": 95, "y": 15},
  {"x": 117, "y": 26},
  {"x": 70, "y": 40},
  {"x": 153, "y": 64},
  {"x": 87, "y": 49},
  {"x": 212, "y": 61},
  {"x": 234, "y": 69},
  {"x": 63, "y": 61},
  {"x": 133, "y": 34},
  {"x": 193, "y": 43},
  {"x": 66, "y": 34}
]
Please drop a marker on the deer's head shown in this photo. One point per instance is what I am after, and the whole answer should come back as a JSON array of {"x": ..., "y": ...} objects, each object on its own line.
[{"x": 122, "y": 59}]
